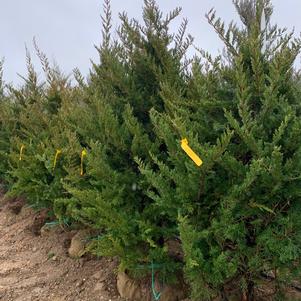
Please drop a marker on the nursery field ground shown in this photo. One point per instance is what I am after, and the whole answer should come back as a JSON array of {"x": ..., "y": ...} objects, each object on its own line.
[{"x": 38, "y": 267}]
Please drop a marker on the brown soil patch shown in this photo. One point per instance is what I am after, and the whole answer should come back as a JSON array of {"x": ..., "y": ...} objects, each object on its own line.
[{"x": 39, "y": 268}]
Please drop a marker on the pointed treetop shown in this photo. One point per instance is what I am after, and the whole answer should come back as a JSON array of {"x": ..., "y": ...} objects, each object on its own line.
[
  {"x": 250, "y": 10},
  {"x": 1, "y": 76}
]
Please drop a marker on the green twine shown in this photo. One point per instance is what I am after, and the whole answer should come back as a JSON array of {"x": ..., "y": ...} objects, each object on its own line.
[
  {"x": 55, "y": 223},
  {"x": 156, "y": 295},
  {"x": 97, "y": 237},
  {"x": 30, "y": 206},
  {"x": 152, "y": 266},
  {"x": 52, "y": 224},
  {"x": 35, "y": 206}
]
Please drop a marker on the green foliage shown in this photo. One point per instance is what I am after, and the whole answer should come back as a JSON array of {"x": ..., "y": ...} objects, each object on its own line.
[
  {"x": 8, "y": 126},
  {"x": 236, "y": 217},
  {"x": 237, "y": 214},
  {"x": 116, "y": 129},
  {"x": 41, "y": 132}
]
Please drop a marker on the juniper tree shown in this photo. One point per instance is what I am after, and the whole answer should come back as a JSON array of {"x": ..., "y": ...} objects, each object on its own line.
[
  {"x": 3, "y": 120},
  {"x": 8, "y": 126},
  {"x": 42, "y": 145},
  {"x": 238, "y": 213},
  {"x": 236, "y": 216},
  {"x": 116, "y": 128},
  {"x": 4, "y": 126}
]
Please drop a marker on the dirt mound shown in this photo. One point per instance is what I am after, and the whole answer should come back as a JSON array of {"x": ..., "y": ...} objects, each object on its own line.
[{"x": 39, "y": 268}]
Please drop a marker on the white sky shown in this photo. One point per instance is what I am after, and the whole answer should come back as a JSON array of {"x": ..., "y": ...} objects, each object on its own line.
[{"x": 66, "y": 30}]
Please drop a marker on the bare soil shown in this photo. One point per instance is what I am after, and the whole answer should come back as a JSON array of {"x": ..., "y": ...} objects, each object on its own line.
[{"x": 37, "y": 267}]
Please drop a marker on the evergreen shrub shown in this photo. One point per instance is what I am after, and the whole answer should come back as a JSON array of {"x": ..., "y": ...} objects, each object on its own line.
[{"x": 106, "y": 152}]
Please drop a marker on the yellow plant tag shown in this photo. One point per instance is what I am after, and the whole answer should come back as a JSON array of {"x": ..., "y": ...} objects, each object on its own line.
[
  {"x": 192, "y": 155},
  {"x": 21, "y": 152},
  {"x": 83, "y": 154},
  {"x": 58, "y": 152}
]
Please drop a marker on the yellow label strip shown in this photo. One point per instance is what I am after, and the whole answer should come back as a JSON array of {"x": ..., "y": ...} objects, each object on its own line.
[
  {"x": 192, "y": 155},
  {"x": 83, "y": 154},
  {"x": 21, "y": 152},
  {"x": 58, "y": 152}
]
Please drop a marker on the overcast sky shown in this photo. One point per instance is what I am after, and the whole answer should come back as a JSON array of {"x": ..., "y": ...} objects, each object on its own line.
[{"x": 67, "y": 30}]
